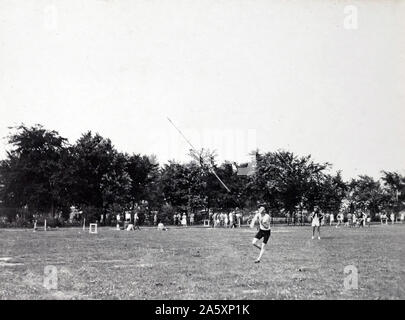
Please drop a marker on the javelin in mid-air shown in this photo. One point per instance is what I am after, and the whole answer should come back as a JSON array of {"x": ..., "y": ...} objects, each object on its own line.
[{"x": 194, "y": 150}]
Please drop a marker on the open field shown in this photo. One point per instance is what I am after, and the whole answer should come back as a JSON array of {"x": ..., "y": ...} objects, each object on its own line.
[{"x": 198, "y": 263}]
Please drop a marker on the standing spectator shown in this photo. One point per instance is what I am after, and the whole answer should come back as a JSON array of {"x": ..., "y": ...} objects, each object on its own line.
[
  {"x": 226, "y": 220},
  {"x": 316, "y": 217},
  {"x": 211, "y": 217},
  {"x": 238, "y": 217},
  {"x": 340, "y": 218},
  {"x": 155, "y": 218},
  {"x": 118, "y": 221},
  {"x": 360, "y": 221},
  {"x": 221, "y": 219},
  {"x": 232, "y": 219},
  {"x": 392, "y": 217},
  {"x": 136, "y": 221},
  {"x": 299, "y": 218},
  {"x": 349, "y": 219},
  {"x": 402, "y": 216},
  {"x": 331, "y": 219},
  {"x": 184, "y": 220},
  {"x": 178, "y": 218},
  {"x": 364, "y": 217},
  {"x": 354, "y": 219},
  {"x": 191, "y": 218},
  {"x": 128, "y": 215},
  {"x": 217, "y": 220}
]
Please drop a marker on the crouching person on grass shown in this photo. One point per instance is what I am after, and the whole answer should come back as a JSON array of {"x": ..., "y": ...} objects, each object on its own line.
[{"x": 161, "y": 227}]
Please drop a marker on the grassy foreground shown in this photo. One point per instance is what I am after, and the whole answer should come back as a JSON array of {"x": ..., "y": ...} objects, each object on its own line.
[{"x": 199, "y": 263}]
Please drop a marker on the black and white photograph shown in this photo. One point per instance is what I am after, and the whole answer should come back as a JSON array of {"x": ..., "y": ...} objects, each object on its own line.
[{"x": 216, "y": 150}]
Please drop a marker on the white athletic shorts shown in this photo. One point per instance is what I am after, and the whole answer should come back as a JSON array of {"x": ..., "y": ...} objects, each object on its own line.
[{"x": 315, "y": 223}]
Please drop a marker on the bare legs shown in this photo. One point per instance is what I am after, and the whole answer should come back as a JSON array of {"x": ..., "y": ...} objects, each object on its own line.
[
  {"x": 319, "y": 232},
  {"x": 262, "y": 247}
]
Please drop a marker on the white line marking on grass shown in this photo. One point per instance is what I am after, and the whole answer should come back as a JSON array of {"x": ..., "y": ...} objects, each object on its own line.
[
  {"x": 9, "y": 264},
  {"x": 5, "y": 259},
  {"x": 251, "y": 291},
  {"x": 108, "y": 261},
  {"x": 5, "y": 262},
  {"x": 142, "y": 265}
]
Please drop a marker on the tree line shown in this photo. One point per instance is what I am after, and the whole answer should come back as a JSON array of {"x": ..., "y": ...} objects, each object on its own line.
[{"x": 43, "y": 174}]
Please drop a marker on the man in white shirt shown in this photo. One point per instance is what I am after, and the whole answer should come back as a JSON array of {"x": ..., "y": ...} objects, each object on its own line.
[
  {"x": 331, "y": 219},
  {"x": 232, "y": 219},
  {"x": 118, "y": 217},
  {"x": 238, "y": 217},
  {"x": 264, "y": 230}
]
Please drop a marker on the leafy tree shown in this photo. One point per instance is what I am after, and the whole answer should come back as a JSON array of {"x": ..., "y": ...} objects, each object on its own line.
[
  {"x": 31, "y": 173},
  {"x": 217, "y": 195},
  {"x": 42, "y": 173},
  {"x": 116, "y": 183},
  {"x": 99, "y": 174},
  {"x": 365, "y": 193},
  {"x": 144, "y": 174},
  {"x": 332, "y": 192},
  {"x": 284, "y": 180},
  {"x": 394, "y": 186},
  {"x": 179, "y": 182}
]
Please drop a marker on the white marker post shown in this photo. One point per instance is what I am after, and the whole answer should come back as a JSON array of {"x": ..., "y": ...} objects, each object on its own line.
[{"x": 93, "y": 228}]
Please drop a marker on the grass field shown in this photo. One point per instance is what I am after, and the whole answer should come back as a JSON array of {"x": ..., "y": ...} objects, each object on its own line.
[{"x": 198, "y": 263}]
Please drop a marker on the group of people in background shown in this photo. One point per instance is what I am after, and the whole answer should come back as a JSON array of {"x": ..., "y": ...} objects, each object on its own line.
[
  {"x": 181, "y": 219},
  {"x": 384, "y": 217},
  {"x": 232, "y": 219},
  {"x": 130, "y": 220},
  {"x": 359, "y": 219}
]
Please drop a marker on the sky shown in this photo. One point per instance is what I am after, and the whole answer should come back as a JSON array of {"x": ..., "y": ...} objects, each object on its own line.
[{"x": 319, "y": 77}]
